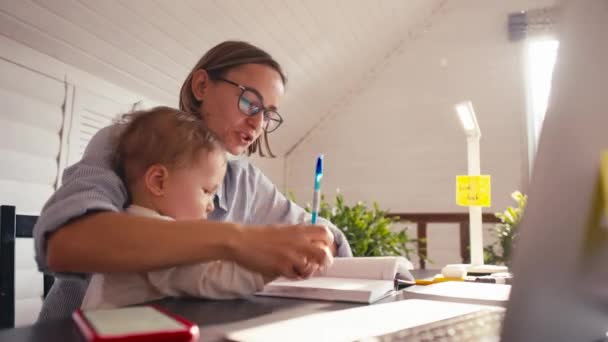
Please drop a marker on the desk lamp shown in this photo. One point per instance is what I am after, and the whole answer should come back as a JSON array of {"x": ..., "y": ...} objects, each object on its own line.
[{"x": 467, "y": 117}]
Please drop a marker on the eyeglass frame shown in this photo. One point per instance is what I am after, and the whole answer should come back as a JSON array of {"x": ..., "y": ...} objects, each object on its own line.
[{"x": 263, "y": 109}]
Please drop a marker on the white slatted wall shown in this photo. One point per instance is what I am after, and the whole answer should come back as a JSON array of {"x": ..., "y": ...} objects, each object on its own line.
[
  {"x": 30, "y": 125},
  {"x": 30, "y": 144},
  {"x": 28, "y": 283},
  {"x": 45, "y": 125}
]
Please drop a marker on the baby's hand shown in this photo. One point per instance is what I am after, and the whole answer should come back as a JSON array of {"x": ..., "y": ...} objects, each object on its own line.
[{"x": 268, "y": 279}]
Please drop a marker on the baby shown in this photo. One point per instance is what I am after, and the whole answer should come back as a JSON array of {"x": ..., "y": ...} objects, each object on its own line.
[{"x": 171, "y": 166}]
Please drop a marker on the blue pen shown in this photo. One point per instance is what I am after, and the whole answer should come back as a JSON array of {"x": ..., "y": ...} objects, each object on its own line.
[{"x": 316, "y": 200}]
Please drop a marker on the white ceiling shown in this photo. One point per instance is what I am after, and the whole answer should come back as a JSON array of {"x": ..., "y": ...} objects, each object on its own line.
[{"x": 329, "y": 48}]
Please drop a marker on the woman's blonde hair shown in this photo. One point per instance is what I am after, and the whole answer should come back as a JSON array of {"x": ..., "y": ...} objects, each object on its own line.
[{"x": 217, "y": 62}]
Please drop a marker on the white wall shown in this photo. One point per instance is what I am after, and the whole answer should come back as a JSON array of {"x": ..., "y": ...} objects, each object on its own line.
[
  {"x": 398, "y": 140},
  {"x": 30, "y": 126},
  {"x": 50, "y": 110},
  {"x": 30, "y": 144},
  {"x": 273, "y": 168}
]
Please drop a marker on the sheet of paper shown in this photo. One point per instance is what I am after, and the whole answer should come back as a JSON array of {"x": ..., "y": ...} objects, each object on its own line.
[
  {"x": 467, "y": 290},
  {"x": 357, "y": 323}
]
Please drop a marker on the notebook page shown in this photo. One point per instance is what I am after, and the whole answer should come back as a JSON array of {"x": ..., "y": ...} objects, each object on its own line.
[
  {"x": 325, "y": 288},
  {"x": 381, "y": 268}
]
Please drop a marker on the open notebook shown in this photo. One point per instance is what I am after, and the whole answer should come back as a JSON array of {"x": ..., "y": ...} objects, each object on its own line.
[{"x": 359, "y": 279}]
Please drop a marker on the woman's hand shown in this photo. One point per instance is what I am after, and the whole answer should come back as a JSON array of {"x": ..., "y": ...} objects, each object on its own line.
[
  {"x": 294, "y": 251},
  {"x": 312, "y": 268}
]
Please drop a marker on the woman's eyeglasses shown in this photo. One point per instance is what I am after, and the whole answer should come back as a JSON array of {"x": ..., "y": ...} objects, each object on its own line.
[{"x": 250, "y": 104}]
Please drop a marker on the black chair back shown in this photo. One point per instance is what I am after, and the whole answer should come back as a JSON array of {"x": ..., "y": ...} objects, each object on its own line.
[{"x": 13, "y": 226}]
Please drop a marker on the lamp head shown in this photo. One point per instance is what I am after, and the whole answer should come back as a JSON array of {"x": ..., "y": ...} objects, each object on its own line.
[{"x": 466, "y": 113}]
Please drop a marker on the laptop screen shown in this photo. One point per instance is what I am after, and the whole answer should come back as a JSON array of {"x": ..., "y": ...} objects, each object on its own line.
[{"x": 559, "y": 290}]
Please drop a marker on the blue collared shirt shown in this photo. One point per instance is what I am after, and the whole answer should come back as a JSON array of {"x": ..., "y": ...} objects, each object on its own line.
[{"x": 246, "y": 196}]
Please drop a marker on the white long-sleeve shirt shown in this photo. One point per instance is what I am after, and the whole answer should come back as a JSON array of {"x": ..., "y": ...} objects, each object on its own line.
[{"x": 215, "y": 279}]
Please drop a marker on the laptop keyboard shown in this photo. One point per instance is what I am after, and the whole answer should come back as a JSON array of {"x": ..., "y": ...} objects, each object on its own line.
[{"x": 483, "y": 325}]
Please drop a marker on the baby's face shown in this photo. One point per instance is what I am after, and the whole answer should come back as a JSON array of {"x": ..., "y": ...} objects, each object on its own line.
[{"x": 190, "y": 191}]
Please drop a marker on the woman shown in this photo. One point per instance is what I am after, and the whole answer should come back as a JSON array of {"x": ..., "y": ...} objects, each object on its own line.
[{"x": 236, "y": 89}]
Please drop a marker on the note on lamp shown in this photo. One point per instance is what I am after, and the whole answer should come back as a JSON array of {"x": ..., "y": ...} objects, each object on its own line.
[{"x": 467, "y": 117}]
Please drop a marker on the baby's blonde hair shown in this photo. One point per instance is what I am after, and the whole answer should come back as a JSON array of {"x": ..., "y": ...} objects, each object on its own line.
[{"x": 161, "y": 135}]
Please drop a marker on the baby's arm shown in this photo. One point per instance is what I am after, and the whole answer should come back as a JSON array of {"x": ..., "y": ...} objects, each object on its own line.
[{"x": 215, "y": 279}]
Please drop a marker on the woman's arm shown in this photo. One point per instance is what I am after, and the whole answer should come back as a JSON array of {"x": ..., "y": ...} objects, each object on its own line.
[
  {"x": 117, "y": 242},
  {"x": 109, "y": 242},
  {"x": 82, "y": 230}
]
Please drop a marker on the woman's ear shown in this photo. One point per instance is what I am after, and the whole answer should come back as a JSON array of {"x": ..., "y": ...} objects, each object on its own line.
[
  {"x": 155, "y": 179},
  {"x": 200, "y": 83}
]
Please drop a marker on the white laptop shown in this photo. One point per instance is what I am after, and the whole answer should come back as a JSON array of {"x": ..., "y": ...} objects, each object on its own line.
[
  {"x": 555, "y": 293},
  {"x": 554, "y": 297}
]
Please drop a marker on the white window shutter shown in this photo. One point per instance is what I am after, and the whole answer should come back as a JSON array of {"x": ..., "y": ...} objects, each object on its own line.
[{"x": 91, "y": 112}]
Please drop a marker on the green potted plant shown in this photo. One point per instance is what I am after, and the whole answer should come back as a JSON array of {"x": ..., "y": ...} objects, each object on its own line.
[
  {"x": 506, "y": 232},
  {"x": 368, "y": 230}
]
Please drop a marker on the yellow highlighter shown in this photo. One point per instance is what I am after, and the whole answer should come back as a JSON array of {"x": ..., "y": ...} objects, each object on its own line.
[{"x": 436, "y": 279}]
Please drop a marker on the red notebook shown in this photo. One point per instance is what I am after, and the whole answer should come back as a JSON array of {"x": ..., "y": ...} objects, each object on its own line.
[{"x": 139, "y": 323}]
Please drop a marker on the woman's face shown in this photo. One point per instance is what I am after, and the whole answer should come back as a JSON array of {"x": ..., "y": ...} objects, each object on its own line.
[{"x": 220, "y": 109}]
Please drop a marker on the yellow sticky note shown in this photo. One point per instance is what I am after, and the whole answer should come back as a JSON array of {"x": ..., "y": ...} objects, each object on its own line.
[
  {"x": 604, "y": 180},
  {"x": 597, "y": 225},
  {"x": 473, "y": 191}
]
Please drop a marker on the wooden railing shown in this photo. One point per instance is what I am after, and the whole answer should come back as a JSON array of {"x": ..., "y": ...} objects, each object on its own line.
[{"x": 423, "y": 219}]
